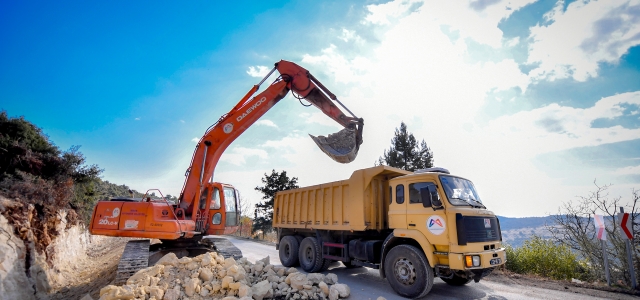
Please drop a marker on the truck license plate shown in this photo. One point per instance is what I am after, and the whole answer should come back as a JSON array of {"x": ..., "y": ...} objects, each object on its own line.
[{"x": 495, "y": 261}]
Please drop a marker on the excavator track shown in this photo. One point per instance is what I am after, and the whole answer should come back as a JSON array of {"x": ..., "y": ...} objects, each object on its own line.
[
  {"x": 140, "y": 254},
  {"x": 224, "y": 247},
  {"x": 134, "y": 258}
]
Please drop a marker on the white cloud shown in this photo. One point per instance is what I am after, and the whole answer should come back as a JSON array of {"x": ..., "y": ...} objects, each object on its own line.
[
  {"x": 182, "y": 121},
  {"x": 137, "y": 119},
  {"x": 350, "y": 35},
  {"x": 586, "y": 34},
  {"x": 555, "y": 127},
  {"x": 380, "y": 13},
  {"x": 512, "y": 42},
  {"x": 422, "y": 77},
  {"x": 238, "y": 155},
  {"x": 258, "y": 71},
  {"x": 195, "y": 139},
  {"x": 320, "y": 118},
  {"x": 632, "y": 170},
  {"x": 476, "y": 20},
  {"x": 266, "y": 122}
]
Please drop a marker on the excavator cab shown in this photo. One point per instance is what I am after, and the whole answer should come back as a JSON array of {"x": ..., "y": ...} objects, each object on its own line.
[{"x": 221, "y": 202}]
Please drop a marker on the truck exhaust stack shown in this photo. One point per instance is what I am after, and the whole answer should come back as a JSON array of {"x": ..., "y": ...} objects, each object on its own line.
[{"x": 341, "y": 146}]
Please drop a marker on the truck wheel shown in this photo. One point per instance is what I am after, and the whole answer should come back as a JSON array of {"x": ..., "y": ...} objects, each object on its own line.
[
  {"x": 310, "y": 255},
  {"x": 456, "y": 280},
  {"x": 325, "y": 265},
  {"x": 288, "y": 251},
  {"x": 408, "y": 271}
]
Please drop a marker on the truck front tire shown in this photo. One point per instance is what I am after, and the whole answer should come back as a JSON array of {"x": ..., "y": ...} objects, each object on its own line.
[
  {"x": 310, "y": 255},
  {"x": 288, "y": 251},
  {"x": 408, "y": 271}
]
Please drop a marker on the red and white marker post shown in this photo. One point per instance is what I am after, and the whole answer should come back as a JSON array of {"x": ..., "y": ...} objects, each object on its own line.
[
  {"x": 602, "y": 236},
  {"x": 626, "y": 226}
]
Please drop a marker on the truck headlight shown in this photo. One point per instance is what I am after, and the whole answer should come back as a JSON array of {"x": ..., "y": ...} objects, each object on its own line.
[{"x": 472, "y": 260}]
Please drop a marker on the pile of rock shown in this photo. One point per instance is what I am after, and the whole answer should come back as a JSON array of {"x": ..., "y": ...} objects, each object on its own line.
[{"x": 210, "y": 276}]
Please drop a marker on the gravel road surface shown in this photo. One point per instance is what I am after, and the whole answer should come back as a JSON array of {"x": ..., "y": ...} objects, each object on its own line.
[{"x": 366, "y": 283}]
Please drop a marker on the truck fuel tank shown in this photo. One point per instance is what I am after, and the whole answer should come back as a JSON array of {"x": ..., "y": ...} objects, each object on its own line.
[{"x": 365, "y": 250}]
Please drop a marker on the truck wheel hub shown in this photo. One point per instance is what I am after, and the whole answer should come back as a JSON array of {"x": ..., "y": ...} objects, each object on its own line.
[
  {"x": 309, "y": 255},
  {"x": 404, "y": 271}
]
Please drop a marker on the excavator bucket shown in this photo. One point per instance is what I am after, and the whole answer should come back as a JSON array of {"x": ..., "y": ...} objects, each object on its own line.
[{"x": 341, "y": 146}]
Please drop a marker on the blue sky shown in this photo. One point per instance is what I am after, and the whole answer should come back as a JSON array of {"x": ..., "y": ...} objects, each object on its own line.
[{"x": 532, "y": 100}]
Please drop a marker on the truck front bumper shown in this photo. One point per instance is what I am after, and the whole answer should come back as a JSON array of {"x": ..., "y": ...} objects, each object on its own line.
[{"x": 478, "y": 260}]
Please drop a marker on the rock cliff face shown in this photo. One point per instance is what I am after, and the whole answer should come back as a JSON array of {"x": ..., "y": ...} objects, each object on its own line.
[
  {"x": 14, "y": 283},
  {"x": 29, "y": 273},
  {"x": 210, "y": 276}
]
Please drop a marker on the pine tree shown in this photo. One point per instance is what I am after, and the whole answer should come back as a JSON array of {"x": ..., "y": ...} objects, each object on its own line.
[
  {"x": 272, "y": 184},
  {"x": 405, "y": 152}
]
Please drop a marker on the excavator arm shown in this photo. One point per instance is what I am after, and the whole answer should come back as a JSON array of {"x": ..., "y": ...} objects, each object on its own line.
[{"x": 342, "y": 146}]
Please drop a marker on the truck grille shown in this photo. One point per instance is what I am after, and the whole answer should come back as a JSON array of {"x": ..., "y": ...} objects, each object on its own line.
[{"x": 477, "y": 229}]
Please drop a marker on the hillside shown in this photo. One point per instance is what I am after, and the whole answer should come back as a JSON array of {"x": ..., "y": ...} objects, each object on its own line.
[{"x": 517, "y": 230}]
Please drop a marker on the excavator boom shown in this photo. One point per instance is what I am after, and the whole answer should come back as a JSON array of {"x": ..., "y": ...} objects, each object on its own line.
[
  {"x": 210, "y": 208},
  {"x": 342, "y": 146}
]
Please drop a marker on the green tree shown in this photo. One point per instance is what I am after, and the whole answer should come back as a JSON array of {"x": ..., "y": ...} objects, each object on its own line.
[
  {"x": 406, "y": 153},
  {"x": 263, "y": 214}
]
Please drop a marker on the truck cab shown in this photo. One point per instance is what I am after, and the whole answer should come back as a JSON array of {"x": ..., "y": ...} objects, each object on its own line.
[{"x": 444, "y": 213}]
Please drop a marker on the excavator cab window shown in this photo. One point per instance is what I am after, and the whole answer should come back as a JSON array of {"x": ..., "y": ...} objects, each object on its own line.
[
  {"x": 215, "y": 199},
  {"x": 231, "y": 206}
]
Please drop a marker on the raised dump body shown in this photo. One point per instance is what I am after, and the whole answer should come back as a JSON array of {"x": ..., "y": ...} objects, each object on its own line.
[
  {"x": 413, "y": 226},
  {"x": 355, "y": 204}
]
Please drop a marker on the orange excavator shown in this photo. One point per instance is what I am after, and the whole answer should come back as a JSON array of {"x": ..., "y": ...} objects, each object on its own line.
[{"x": 211, "y": 208}]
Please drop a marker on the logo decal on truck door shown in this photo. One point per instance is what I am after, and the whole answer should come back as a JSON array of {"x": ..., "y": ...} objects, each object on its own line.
[{"x": 436, "y": 225}]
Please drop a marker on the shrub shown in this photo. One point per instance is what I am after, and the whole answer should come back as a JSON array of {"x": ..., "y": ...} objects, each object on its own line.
[{"x": 544, "y": 258}]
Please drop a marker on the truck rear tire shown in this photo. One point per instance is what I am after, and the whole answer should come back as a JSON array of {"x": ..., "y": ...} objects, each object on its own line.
[
  {"x": 310, "y": 255},
  {"x": 408, "y": 271},
  {"x": 288, "y": 251},
  {"x": 456, "y": 280}
]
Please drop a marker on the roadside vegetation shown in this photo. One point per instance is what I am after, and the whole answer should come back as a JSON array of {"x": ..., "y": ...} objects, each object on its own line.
[
  {"x": 545, "y": 258},
  {"x": 573, "y": 251}
]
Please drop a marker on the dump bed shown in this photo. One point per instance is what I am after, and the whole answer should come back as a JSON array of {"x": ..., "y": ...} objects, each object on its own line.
[{"x": 358, "y": 203}]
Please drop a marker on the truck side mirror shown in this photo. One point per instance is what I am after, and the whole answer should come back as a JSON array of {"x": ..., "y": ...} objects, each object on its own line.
[
  {"x": 435, "y": 199},
  {"x": 425, "y": 196}
]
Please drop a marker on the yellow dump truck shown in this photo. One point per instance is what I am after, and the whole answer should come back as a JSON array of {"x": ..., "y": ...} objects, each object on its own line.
[{"x": 412, "y": 226}]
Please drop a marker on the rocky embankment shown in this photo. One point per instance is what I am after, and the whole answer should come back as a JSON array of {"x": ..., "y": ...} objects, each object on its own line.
[
  {"x": 66, "y": 263},
  {"x": 210, "y": 276}
]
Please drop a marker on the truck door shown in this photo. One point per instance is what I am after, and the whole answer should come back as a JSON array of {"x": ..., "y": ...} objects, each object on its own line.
[
  {"x": 422, "y": 216},
  {"x": 398, "y": 207}
]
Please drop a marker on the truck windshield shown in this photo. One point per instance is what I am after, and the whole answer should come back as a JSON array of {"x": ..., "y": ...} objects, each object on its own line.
[{"x": 460, "y": 191}]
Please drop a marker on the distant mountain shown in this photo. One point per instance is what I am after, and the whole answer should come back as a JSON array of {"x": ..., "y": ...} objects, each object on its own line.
[
  {"x": 507, "y": 223},
  {"x": 517, "y": 230}
]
